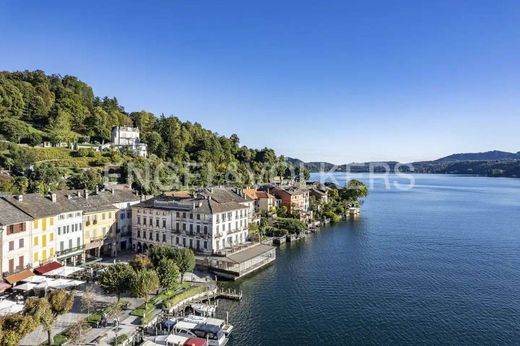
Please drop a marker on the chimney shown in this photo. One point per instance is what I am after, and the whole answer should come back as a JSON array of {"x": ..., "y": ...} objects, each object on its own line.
[
  {"x": 79, "y": 193},
  {"x": 53, "y": 197},
  {"x": 97, "y": 189},
  {"x": 113, "y": 191},
  {"x": 86, "y": 193},
  {"x": 19, "y": 198}
]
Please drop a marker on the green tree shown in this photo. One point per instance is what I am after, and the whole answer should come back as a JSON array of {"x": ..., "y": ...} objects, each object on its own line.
[
  {"x": 116, "y": 279},
  {"x": 13, "y": 328},
  {"x": 168, "y": 273},
  {"x": 185, "y": 260},
  {"x": 144, "y": 282},
  {"x": 160, "y": 252},
  {"x": 41, "y": 311},
  {"x": 140, "y": 262}
]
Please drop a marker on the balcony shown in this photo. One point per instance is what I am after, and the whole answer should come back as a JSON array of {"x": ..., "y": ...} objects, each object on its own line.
[{"x": 70, "y": 251}]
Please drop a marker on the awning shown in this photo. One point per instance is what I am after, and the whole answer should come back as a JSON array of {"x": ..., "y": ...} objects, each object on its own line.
[
  {"x": 25, "y": 287},
  {"x": 4, "y": 286},
  {"x": 48, "y": 267},
  {"x": 64, "y": 271},
  {"x": 35, "y": 279},
  {"x": 12, "y": 279}
]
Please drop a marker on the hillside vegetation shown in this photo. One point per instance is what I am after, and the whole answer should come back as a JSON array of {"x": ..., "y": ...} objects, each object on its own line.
[{"x": 35, "y": 107}]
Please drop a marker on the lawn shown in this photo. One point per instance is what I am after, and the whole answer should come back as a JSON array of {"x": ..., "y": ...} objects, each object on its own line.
[{"x": 190, "y": 292}]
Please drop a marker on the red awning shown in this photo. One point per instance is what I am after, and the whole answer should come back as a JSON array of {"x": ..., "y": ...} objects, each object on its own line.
[
  {"x": 12, "y": 279},
  {"x": 47, "y": 267},
  {"x": 195, "y": 342}
]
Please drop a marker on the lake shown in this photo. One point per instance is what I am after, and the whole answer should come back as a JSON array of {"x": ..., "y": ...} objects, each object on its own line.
[{"x": 435, "y": 264}]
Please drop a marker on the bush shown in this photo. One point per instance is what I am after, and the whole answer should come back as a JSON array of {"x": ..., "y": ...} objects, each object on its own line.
[
  {"x": 119, "y": 340},
  {"x": 190, "y": 292}
]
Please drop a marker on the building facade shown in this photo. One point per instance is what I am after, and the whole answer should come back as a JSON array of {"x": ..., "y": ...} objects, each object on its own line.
[
  {"x": 15, "y": 238},
  {"x": 43, "y": 210},
  {"x": 293, "y": 198},
  {"x": 208, "y": 222},
  {"x": 128, "y": 137}
]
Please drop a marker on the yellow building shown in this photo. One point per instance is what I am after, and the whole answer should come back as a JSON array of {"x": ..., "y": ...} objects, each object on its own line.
[{"x": 98, "y": 226}]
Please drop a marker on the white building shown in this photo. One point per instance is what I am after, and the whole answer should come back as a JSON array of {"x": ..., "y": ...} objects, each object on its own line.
[
  {"x": 128, "y": 137},
  {"x": 69, "y": 231},
  {"x": 207, "y": 222}
]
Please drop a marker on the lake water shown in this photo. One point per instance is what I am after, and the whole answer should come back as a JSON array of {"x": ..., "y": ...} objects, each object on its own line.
[{"x": 437, "y": 264}]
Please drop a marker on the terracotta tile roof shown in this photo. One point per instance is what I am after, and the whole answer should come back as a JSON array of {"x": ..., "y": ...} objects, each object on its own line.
[
  {"x": 47, "y": 267},
  {"x": 14, "y": 278}
]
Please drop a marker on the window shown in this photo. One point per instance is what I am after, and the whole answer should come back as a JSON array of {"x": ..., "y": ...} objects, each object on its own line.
[
  {"x": 151, "y": 236},
  {"x": 35, "y": 241},
  {"x": 103, "y": 216},
  {"x": 35, "y": 224},
  {"x": 157, "y": 236},
  {"x": 177, "y": 240},
  {"x": 144, "y": 234},
  {"x": 61, "y": 245},
  {"x": 44, "y": 224},
  {"x": 44, "y": 255},
  {"x": 78, "y": 242},
  {"x": 164, "y": 223},
  {"x": 110, "y": 215},
  {"x": 51, "y": 221},
  {"x": 138, "y": 220},
  {"x": 205, "y": 244},
  {"x": 183, "y": 226},
  {"x": 122, "y": 216},
  {"x": 164, "y": 238},
  {"x": 44, "y": 241},
  {"x": 59, "y": 230},
  {"x": 70, "y": 243},
  {"x": 191, "y": 243},
  {"x": 52, "y": 252},
  {"x": 156, "y": 222},
  {"x": 21, "y": 263},
  {"x": 191, "y": 216},
  {"x": 198, "y": 228},
  {"x": 205, "y": 229},
  {"x": 138, "y": 234},
  {"x": 51, "y": 237},
  {"x": 35, "y": 257},
  {"x": 21, "y": 243},
  {"x": 198, "y": 216},
  {"x": 11, "y": 245}
]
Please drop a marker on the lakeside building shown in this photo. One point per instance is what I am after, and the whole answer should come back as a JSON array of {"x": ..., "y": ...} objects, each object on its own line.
[
  {"x": 43, "y": 210},
  {"x": 295, "y": 199},
  {"x": 319, "y": 194},
  {"x": 263, "y": 200},
  {"x": 15, "y": 238},
  {"x": 126, "y": 137},
  {"x": 211, "y": 221},
  {"x": 106, "y": 220},
  {"x": 69, "y": 231}
]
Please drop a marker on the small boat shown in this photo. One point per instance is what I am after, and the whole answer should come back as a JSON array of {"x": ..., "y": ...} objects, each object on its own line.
[
  {"x": 212, "y": 333},
  {"x": 226, "y": 328},
  {"x": 204, "y": 309}
]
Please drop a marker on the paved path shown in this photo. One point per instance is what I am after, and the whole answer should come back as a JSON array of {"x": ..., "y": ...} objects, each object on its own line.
[{"x": 39, "y": 336}]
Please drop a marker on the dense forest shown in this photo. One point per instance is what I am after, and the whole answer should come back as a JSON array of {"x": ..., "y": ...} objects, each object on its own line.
[{"x": 35, "y": 107}]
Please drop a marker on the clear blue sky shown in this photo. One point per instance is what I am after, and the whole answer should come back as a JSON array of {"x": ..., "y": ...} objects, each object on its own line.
[{"x": 334, "y": 80}]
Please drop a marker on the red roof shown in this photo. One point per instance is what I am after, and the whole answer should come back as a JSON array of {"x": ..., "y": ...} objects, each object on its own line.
[
  {"x": 195, "y": 342},
  {"x": 47, "y": 267}
]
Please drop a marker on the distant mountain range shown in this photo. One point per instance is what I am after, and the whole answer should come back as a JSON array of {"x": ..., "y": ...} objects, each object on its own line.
[{"x": 491, "y": 163}]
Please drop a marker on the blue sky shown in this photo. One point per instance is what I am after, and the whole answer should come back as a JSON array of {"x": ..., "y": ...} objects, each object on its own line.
[{"x": 337, "y": 81}]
